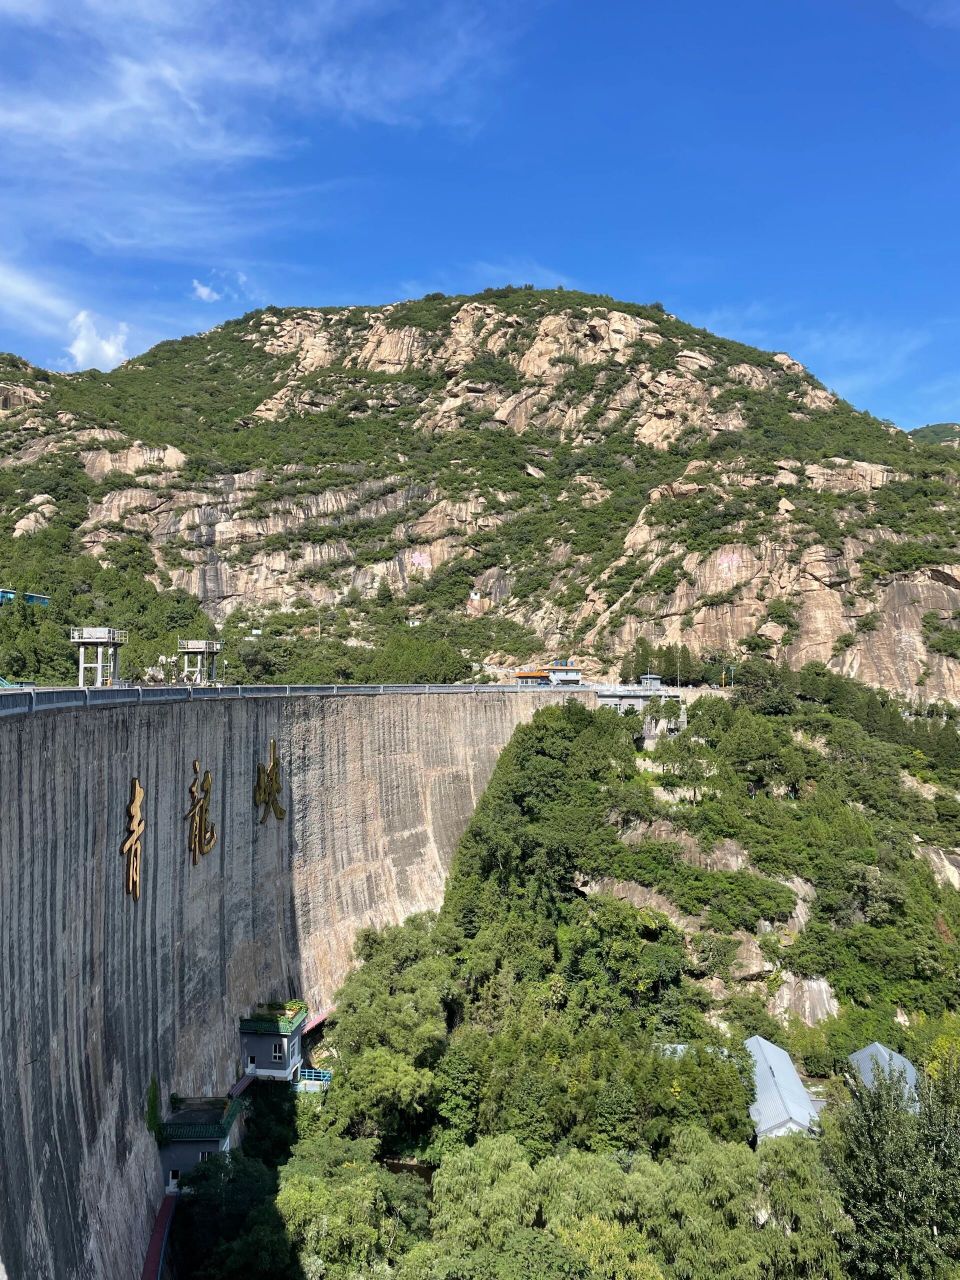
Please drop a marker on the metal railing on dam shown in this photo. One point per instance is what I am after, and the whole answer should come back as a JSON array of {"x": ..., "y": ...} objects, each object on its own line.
[{"x": 25, "y": 701}]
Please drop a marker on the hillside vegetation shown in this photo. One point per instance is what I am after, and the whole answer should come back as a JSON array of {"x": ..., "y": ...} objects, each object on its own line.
[
  {"x": 939, "y": 433},
  {"x": 571, "y": 1064},
  {"x": 521, "y": 473}
]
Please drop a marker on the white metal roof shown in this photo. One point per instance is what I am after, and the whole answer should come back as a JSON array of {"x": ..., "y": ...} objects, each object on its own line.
[
  {"x": 782, "y": 1102},
  {"x": 877, "y": 1057}
]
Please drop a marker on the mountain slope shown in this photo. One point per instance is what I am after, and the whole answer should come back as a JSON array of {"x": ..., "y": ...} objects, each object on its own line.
[
  {"x": 521, "y": 472},
  {"x": 947, "y": 433}
]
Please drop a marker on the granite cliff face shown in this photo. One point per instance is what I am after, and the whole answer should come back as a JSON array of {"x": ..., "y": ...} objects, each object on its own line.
[
  {"x": 589, "y": 471},
  {"x": 99, "y": 993}
]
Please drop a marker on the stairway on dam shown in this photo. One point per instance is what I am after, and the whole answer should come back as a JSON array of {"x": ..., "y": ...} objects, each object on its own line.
[{"x": 129, "y": 952}]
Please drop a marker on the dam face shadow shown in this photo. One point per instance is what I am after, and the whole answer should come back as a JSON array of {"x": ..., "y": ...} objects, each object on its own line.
[{"x": 103, "y": 991}]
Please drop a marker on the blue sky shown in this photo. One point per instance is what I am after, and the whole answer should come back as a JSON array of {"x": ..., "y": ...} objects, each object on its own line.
[{"x": 782, "y": 171}]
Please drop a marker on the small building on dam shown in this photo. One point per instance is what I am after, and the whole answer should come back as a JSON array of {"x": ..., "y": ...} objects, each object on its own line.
[
  {"x": 270, "y": 1041},
  {"x": 198, "y": 1129}
]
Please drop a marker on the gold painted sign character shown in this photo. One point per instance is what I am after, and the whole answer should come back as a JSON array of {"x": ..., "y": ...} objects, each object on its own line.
[
  {"x": 132, "y": 847},
  {"x": 203, "y": 834},
  {"x": 266, "y": 791}
]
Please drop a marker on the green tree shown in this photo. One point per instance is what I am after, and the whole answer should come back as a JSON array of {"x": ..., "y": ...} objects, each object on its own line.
[
  {"x": 750, "y": 750},
  {"x": 806, "y": 1227},
  {"x": 896, "y": 1161},
  {"x": 345, "y": 1216},
  {"x": 682, "y": 759},
  {"x": 408, "y": 657},
  {"x": 221, "y": 1197},
  {"x": 482, "y": 1193},
  {"x": 385, "y": 1093}
]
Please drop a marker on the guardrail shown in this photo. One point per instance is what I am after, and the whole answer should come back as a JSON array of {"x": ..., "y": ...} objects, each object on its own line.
[
  {"x": 27, "y": 701},
  {"x": 316, "y": 1073}
]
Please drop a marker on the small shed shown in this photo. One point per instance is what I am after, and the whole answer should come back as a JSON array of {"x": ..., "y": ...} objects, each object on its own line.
[
  {"x": 877, "y": 1058},
  {"x": 533, "y": 678},
  {"x": 198, "y": 1129},
  {"x": 271, "y": 1041},
  {"x": 782, "y": 1104}
]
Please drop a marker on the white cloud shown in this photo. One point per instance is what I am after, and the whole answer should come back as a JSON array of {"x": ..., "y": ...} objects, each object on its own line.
[
  {"x": 151, "y": 127},
  {"x": 857, "y": 358},
  {"x": 157, "y": 128},
  {"x": 29, "y": 303},
  {"x": 92, "y": 350},
  {"x": 30, "y": 11},
  {"x": 936, "y": 401},
  {"x": 204, "y": 293},
  {"x": 518, "y": 271},
  {"x": 226, "y": 80},
  {"x": 936, "y": 13}
]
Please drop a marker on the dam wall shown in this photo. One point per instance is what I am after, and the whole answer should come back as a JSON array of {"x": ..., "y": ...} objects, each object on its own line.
[{"x": 100, "y": 991}]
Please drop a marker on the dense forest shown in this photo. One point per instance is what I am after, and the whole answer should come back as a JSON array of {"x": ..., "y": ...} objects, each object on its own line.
[{"x": 543, "y": 1080}]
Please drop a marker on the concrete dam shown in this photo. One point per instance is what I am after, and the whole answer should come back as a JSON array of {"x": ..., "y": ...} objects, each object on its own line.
[{"x": 127, "y": 953}]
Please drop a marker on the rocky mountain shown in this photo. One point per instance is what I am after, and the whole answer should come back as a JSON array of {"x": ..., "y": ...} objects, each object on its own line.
[{"x": 521, "y": 473}]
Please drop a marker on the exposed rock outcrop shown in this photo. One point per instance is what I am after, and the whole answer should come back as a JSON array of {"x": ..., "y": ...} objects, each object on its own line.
[
  {"x": 562, "y": 337},
  {"x": 14, "y": 396},
  {"x": 843, "y": 476},
  {"x": 749, "y": 964},
  {"x": 944, "y": 863},
  {"x": 139, "y": 457},
  {"x": 809, "y": 999},
  {"x": 42, "y": 510},
  {"x": 388, "y": 350},
  {"x": 642, "y": 897}
]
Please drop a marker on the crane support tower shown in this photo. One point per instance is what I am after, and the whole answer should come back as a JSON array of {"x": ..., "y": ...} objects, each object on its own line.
[
  {"x": 199, "y": 660},
  {"x": 105, "y": 668}
]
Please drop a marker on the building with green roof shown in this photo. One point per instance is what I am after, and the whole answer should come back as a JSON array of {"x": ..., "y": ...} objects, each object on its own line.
[
  {"x": 198, "y": 1129},
  {"x": 271, "y": 1041}
]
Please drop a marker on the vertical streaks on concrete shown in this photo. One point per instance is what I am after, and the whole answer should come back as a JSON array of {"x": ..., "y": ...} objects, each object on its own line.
[{"x": 99, "y": 993}]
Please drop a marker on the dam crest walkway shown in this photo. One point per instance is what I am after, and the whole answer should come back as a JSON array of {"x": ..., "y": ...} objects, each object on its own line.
[{"x": 27, "y": 701}]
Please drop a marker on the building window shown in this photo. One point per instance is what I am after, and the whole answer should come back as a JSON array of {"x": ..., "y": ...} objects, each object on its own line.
[
  {"x": 205, "y": 1156},
  {"x": 252, "y": 1060},
  {"x": 278, "y": 1050},
  {"x": 174, "y": 1175}
]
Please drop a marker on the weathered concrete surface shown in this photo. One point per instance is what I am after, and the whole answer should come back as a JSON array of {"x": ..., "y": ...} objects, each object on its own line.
[{"x": 99, "y": 993}]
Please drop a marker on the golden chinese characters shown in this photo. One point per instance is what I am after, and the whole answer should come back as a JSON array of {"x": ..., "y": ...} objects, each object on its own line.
[
  {"x": 132, "y": 847},
  {"x": 203, "y": 834},
  {"x": 266, "y": 791}
]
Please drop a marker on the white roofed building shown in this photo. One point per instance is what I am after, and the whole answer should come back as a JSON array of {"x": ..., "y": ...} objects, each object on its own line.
[
  {"x": 877, "y": 1058},
  {"x": 782, "y": 1103}
]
